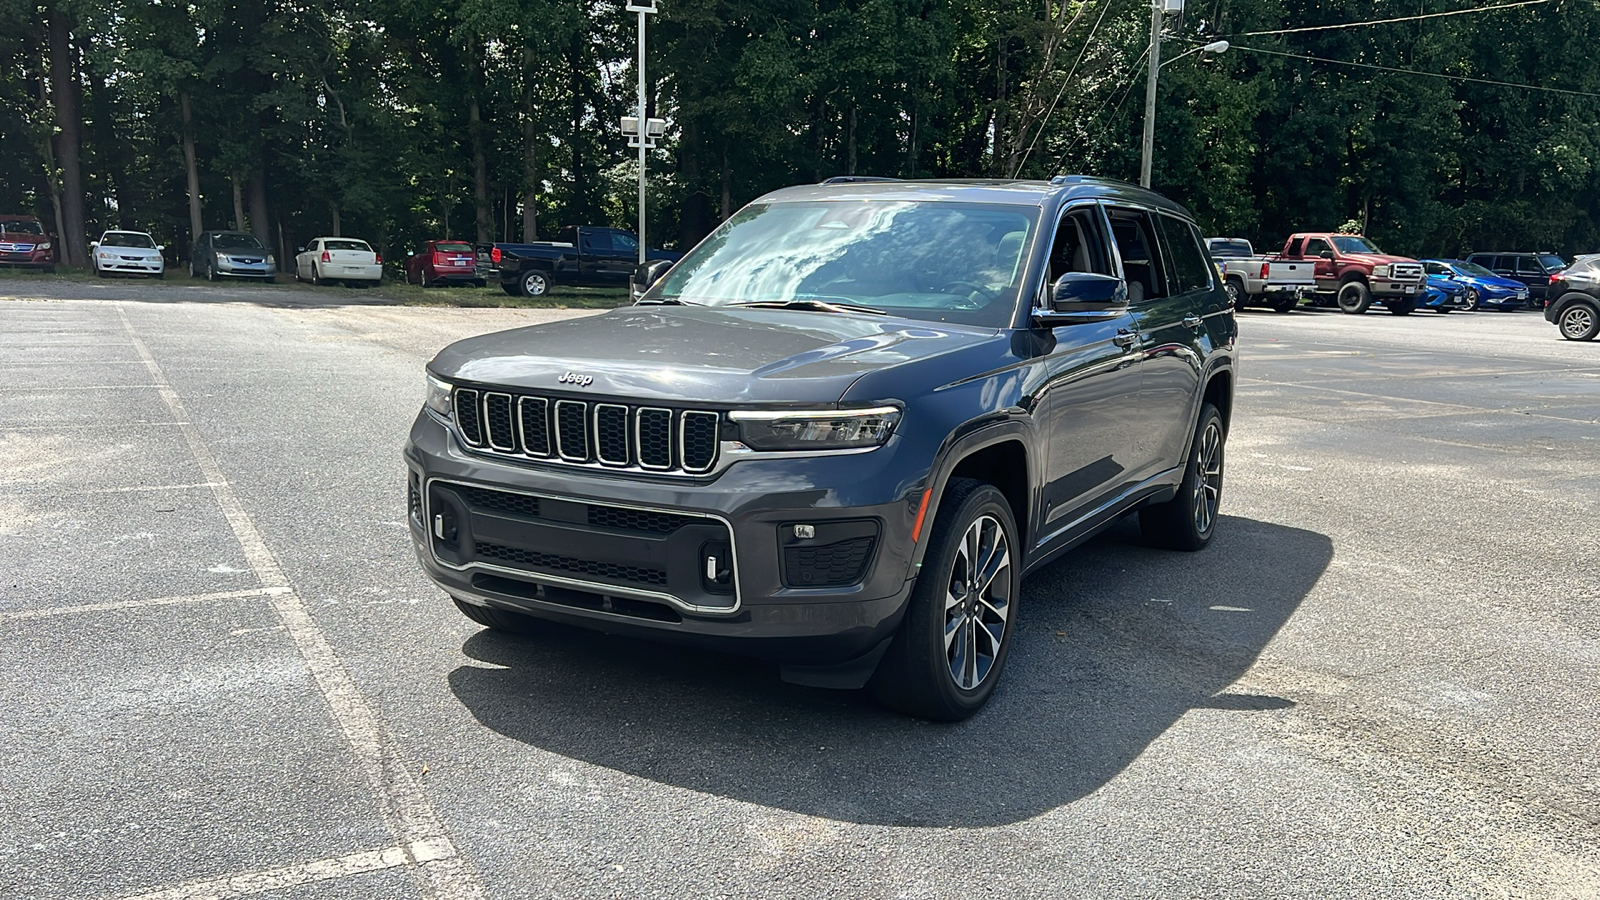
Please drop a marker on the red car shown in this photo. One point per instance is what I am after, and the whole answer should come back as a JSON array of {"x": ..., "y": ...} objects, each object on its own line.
[
  {"x": 25, "y": 243},
  {"x": 443, "y": 262}
]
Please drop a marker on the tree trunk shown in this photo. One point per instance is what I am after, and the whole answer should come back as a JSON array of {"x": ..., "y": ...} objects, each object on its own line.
[
  {"x": 333, "y": 211},
  {"x": 727, "y": 186},
  {"x": 850, "y": 143},
  {"x": 238, "y": 203},
  {"x": 260, "y": 218},
  {"x": 480, "y": 158},
  {"x": 530, "y": 150},
  {"x": 191, "y": 170},
  {"x": 69, "y": 138}
]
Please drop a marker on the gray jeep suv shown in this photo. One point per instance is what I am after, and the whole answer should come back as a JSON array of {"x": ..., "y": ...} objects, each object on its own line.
[{"x": 840, "y": 431}]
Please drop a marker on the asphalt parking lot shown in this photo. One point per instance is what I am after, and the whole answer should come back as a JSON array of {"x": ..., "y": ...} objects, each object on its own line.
[{"x": 225, "y": 676}]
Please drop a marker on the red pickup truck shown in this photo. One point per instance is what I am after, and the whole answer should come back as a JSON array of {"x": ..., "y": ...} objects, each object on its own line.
[
  {"x": 23, "y": 242},
  {"x": 1352, "y": 273}
]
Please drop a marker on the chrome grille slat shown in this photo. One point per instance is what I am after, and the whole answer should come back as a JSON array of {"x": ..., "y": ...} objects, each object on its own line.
[
  {"x": 618, "y": 436},
  {"x": 497, "y": 421},
  {"x": 611, "y": 440},
  {"x": 533, "y": 421},
  {"x": 572, "y": 430},
  {"x": 469, "y": 417}
]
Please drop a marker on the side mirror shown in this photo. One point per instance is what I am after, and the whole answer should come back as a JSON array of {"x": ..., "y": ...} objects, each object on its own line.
[
  {"x": 411, "y": 253},
  {"x": 93, "y": 244},
  {"x": 161, "y": 246},
  {"x": 1326, "y": 254},
  {"x": 299, "y": 249},
  {"x": 1087, "y": 292},
  {"x": 646, "y": 276}
]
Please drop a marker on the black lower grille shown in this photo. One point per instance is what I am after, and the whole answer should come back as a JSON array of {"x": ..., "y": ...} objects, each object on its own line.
[
  {"x": 414, "y": 498},
  {"x": 830, "y": 565},
  {"x": 549, "y": 562},
  {"x": 502, "y": 501},
  {"x": 637, "y": 520}
]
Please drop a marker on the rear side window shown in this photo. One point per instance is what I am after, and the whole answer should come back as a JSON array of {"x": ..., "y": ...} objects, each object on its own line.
[
  {"x": 1527, "y": 265},
  {"x": 1190, "y": 272},
  {"x": 1134, "y": 235},
  {"x": 1229, "y": 249},
  {"x": 594, "y": 241}
]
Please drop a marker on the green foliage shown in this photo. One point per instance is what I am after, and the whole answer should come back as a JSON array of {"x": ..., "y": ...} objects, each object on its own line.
[{"x": 360, "y": 112}]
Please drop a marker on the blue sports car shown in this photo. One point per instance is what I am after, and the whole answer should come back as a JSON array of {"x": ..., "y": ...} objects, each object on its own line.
[
  {"x": 1442, "y": 294},
  {"x": 1485, "y": 289}
]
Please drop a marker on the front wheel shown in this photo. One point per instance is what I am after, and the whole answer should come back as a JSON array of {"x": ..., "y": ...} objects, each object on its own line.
[
  {"x": 1285, "y": 304},
  {"x": 497, "y": 619},
  {"x": 1187, "y": 521},
  {"x": 1403, "y": 307},
  {"x": 1472, "y": 300},
  {"x": 952, "y": 645},
  {"x": 1579, "y": 321},
  {"x": 1354, "y": 297},
  {"x": 535, "y": 283}
]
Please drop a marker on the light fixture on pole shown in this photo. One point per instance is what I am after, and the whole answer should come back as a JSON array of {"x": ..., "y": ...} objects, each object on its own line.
[
  {"x": 643, "y": 138},
  {"x": 1159, "y": 10}
]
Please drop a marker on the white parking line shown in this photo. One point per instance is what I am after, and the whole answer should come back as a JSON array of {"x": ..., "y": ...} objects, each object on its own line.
[
  {"x": 78, "y": 609},
  {"x": 55, "y": 491},
  {"x": 243, "y": 884},
  {"x": 440, "y": 870}
]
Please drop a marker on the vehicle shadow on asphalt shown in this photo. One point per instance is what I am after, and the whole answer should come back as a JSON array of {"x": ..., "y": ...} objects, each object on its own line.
[{"x": 1115, "y": 642}]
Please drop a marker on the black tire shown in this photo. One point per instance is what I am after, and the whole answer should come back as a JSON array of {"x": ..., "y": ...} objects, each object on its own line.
[
  {"x": 1403, "y": 307},
  {"x": 315, "y": 278},
  {"x": 510, "y": 288},
  {"x": 1285, "y": 304},
  {"x": 1188, "y": 521},
  {"x": 1354, "y": 297},
  {"x": 422, "y": 277},
  {"x": 100, "y": 272},
  {"x": 1579, "y": 321},
  {"x": 917, "y": 674},
  {"x": 479, "y": 282},
  {"x": 497, "y": 619},
  {"x": 211, "y": 272},
  {"x": 1236, "y": 294},
  {"x": 534, "y": 283},
  {"x": 191, "y": 269}
]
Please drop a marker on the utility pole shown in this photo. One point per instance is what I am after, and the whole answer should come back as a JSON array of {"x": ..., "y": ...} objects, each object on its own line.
[{"x": 1158, "y": 11}]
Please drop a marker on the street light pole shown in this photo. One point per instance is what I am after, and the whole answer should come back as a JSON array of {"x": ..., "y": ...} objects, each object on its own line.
[
  {"x": 643, "y": 131},
  {"x": 642, "y": 14}
]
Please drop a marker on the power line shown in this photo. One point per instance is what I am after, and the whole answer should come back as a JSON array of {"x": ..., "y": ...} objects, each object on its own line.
[
  {"x": 1454, "y": 12},
  {"x": 1138, "y": 66},
  {"x": 1345, "y": 62},
  {"x": 1045, "y": 122}
]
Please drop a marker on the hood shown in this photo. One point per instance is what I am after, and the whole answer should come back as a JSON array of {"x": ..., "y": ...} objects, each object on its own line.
[
  {"x": 691, "y": 354},
  {"x": 30, "y": 240},
  {"x": 1377, "y": 259},
  {"x": 143, "y": 252}
]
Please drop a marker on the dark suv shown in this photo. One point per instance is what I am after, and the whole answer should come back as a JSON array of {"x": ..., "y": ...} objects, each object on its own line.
[
  {"x": 1532, "y": 269},
  {"x": 840, "y": 430},
  {"x": 1575, "y": 300}
]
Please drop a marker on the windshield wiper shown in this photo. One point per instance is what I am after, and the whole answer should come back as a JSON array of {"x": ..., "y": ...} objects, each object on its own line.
[
  {"x": 813, "y": 303},
  {"x": 667, "y": 301}
]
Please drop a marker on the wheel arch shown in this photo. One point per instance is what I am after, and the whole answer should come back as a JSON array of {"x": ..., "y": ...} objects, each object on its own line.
[{"x": 997, "y": 454}]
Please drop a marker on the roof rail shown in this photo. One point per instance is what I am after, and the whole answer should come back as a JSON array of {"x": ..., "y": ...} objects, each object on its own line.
[{"x": 856, "y": 179}]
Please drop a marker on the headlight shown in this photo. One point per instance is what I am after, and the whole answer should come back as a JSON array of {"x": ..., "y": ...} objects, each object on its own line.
[
  {"x": 222, "y": 257},
  {"x": 1380, "y": 271},
  {"x": 438, "y": 396},
  {"x": 271, "y": 260},
  {"x": 43, "y": 246},
  {"x": 815, "y": 429}
]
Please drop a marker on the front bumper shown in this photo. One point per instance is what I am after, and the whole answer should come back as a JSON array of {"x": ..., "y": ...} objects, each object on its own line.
[
  {"x": 131, "y": 266},
  {"x": 236, "y": 268},
  {"x": 640, "y": 555},
  {"x": 27, "y": 259},
  {"x": 1384, "y": 288}
]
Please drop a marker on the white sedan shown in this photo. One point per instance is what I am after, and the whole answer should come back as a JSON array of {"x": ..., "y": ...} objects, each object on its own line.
[
  {"x": 327, "y": 259},
  {"x": 127, "y": 253}
]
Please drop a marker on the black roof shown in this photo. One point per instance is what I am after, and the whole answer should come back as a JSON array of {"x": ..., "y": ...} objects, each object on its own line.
[{"x": 1018, "y": 192}]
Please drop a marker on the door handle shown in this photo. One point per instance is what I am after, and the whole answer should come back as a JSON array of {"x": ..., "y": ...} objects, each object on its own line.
[
  {"x": 1193, "y": 321},
  {"x": 1125, "y": 339}
]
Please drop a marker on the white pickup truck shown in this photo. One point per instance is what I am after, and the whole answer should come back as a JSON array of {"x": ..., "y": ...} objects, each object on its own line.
[{"x": 1260, "y": 280}]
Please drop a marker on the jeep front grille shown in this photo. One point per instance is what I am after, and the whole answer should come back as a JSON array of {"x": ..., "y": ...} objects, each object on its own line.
[{"x": 609, "y": 435}]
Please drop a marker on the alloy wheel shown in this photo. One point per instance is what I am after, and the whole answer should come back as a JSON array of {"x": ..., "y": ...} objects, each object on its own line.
[
  {"x": 977, "y": 603},
  {"x": 1577, "y": 322},
  {"x": 1208, "y": 479}
]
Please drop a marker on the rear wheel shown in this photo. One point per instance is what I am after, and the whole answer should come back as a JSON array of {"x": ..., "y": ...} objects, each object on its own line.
[
  {"x": 510, "y": 288},
  {"x": 1354, "y": 297},
  {"x": 1580, "y": 321},
  {"x": 953, "y": 643},
  {"x": 1187, "y": 521},
  {"x": 497, "y": 619},
  {"x": 1285, "y": 304},
  {"x": 1236, "y": 294},
  {"x": 535, "y": 283}
]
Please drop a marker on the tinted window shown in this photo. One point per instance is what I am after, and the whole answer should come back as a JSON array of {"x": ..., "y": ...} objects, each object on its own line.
[
  {"x": 1473, "y": 269},
  {"x": 1316, "y": 246},
  {"x": 1527, "y": 265},
  {"x": 1353, "y": 244},
  {"x": 1190, "y": 271},
  {"x": 1229, "y": 249},
  {"x": 1434, "y": 268},
  {"x": 939, "y": 260},
  {"x": 624, "y": 243},
  {"x": 1552, "y": 263},
  {"x": 338, "y": 244},
  {"x": 595, "y": 241},
  {"x": 452, "y": 247},
  {"x": 1141, "y": 255}
]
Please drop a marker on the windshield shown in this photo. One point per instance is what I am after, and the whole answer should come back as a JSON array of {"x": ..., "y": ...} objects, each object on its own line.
[
  {"x": 22, "y": 227},
  {"x": 943, "y": 261},
  {"x": 346, "y": 245},
  {"x": 1552, "y": 262},
  {"x": 1350, "y": 244},
  {"x": 1472, "y": 269},
  {"x": 235, "y": 242},
  {"x": 442, "y": 247},
  {"x": 127, "y": 239},
  {"x": 1230, "y": 249}
]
